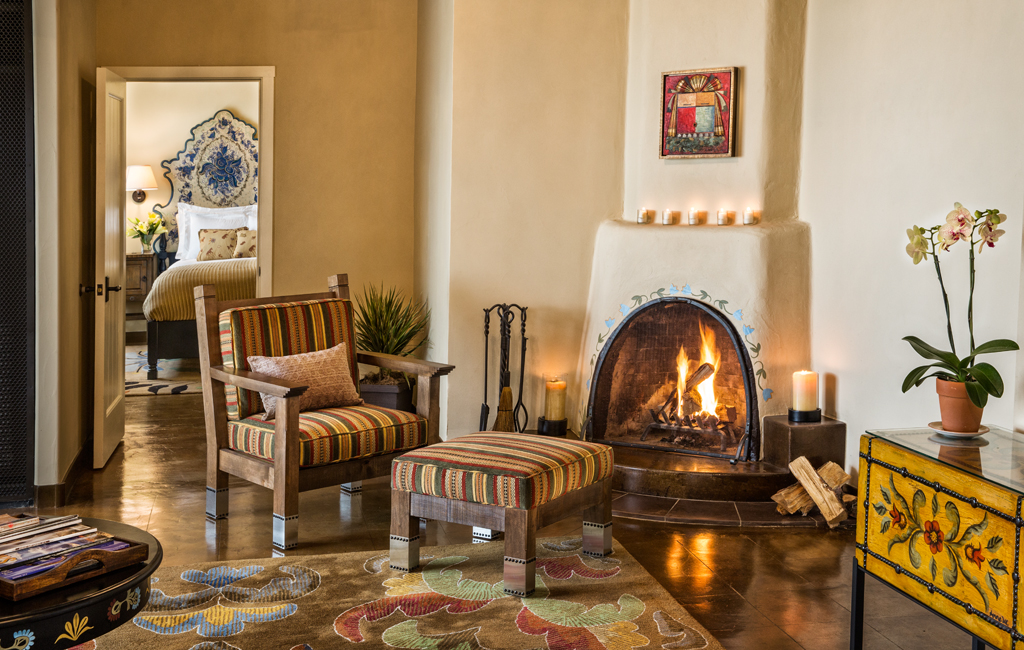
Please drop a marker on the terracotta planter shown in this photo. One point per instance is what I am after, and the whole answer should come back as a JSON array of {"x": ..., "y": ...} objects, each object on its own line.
[{"x": 959, "y": 414}]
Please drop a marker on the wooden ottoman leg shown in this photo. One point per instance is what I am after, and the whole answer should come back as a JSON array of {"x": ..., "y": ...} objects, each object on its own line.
[
  {"x": 520, "y": 551},
  {"x": 405, "y": 533},
  {"x": 597, "y": 524}
]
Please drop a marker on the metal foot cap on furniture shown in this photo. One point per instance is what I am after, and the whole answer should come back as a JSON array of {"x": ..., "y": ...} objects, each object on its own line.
[
  {"x": 286, "y": 531},
  {"x": 216, "y": 503}
]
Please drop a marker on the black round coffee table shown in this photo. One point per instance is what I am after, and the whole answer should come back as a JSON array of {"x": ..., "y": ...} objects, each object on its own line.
[{"x": 72, "y": 615}]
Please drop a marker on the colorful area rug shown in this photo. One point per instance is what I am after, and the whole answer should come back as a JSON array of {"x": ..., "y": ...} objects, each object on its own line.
[
  {"x": 176, "y": 376},
  {"x": 454, "y": 602}
]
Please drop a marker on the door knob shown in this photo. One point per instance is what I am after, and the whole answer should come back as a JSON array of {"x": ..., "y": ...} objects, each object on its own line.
[
  {"x": 82, "y": 289},
  {"x": 106, "y": 283}
]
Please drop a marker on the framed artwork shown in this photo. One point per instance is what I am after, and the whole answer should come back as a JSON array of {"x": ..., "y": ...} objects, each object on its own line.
[{"x": 698, "y": 116}]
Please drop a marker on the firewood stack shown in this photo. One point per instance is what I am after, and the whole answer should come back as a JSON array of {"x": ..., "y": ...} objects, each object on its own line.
[{"x": 822, "y": 489}]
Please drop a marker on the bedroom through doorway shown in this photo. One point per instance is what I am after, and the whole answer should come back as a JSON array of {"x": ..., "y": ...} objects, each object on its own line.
[{"x": 195, "y": 172}]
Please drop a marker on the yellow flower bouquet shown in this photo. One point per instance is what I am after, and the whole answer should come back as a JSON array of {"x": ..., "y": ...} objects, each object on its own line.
[{"x": 146, "y": 229}]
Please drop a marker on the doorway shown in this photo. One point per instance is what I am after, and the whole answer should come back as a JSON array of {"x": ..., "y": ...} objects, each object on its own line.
[{"x": 161, "y": 114}]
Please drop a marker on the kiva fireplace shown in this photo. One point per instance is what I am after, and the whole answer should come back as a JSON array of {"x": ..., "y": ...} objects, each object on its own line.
[{"x": 675, "y": 376}]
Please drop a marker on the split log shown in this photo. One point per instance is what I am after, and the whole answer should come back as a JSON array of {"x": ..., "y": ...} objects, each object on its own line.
[
  {"x": 795, "y": 497},
  {"x": 822, "y": 495},
  {"x": 700, "y": 374}
]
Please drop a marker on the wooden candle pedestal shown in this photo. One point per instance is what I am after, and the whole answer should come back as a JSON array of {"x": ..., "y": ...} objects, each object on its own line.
[{"x": 820, "y": 442}]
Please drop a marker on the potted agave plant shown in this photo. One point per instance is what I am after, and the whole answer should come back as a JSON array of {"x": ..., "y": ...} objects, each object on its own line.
[
  {"x": 963, "y": 383},
  {"x": 146, "y": 229},
  {"x": 389, "y": 323}
]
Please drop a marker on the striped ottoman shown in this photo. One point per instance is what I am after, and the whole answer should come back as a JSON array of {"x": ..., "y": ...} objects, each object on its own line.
[{"x": 503, "y": 481}]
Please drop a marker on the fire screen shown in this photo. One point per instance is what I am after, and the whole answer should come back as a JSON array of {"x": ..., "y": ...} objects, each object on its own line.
[{"x": 675, "y": 376}]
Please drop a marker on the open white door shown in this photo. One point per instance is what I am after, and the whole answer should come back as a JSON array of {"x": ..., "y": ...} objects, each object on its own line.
[{"x": 110, "y": 265}]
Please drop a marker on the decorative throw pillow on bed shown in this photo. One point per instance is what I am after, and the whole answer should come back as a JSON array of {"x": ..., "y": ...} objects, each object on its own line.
[
  {"x": 326, "y": 372},
  {"x": 192, "y": 223},
  {"x": 217, "y": 244},
  {"x": 246, "y": 245}
]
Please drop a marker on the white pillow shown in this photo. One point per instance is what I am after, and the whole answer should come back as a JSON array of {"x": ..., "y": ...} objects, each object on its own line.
[
  {"x": 197, "y": 222},
  {"x": 187, "y": 234}
]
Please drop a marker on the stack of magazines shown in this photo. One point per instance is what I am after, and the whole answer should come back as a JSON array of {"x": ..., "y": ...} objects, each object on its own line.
[{"x": 33, "y": 545}]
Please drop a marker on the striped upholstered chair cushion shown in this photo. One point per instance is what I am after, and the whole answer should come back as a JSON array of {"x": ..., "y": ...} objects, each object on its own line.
[
  {"x": 502, "y": 469},
  {"x": 334, "y": 435},
  {"x": 279, "y": 330}
]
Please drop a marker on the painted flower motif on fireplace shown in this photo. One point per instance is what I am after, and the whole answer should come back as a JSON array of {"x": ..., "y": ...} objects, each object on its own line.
[
  {"x": 610, "y": 323},
  {"x": 766, "y": 394},
  {"x": 687, "y": 291},
  {"x": 747, "y": 330},
  {"x": 624, "y": 309},
  {"x": 738, "y": 314}
]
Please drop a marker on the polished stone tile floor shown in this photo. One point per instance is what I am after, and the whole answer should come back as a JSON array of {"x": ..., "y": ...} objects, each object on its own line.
[{"x": 757, "y": 588}]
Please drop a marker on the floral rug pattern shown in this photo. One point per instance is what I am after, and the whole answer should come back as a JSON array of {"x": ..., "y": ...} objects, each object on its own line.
[{"x": 455, "y": 601}]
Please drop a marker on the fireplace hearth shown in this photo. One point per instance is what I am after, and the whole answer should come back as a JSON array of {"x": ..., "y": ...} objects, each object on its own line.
[{"x": 675, "y": 376}]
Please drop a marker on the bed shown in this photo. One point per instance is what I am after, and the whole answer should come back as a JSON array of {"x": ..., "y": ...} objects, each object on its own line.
[{"x": 214, "y": 184}]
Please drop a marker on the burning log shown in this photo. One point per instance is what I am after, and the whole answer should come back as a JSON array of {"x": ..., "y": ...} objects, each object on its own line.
[{"x": 700, "y": 374}]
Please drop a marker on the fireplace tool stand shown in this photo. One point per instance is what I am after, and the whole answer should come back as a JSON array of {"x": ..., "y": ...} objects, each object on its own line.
[{"x": 509, "y": 418}]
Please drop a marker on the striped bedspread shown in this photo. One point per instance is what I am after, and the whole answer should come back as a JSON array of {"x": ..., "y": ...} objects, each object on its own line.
[{"x": 171, "y": 296}]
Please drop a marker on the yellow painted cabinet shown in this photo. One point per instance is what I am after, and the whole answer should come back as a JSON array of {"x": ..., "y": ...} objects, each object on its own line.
[{"x": 940, "y": 521}]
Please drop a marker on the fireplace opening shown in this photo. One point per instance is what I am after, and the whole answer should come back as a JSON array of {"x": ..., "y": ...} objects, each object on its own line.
[{"x": 675, "y": 376}]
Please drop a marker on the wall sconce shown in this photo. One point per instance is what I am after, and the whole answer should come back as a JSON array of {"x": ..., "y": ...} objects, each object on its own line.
[{"x": 140, "y": 178}]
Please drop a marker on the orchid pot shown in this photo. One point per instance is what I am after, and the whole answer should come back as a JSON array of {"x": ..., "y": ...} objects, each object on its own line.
[{"x": 964, "y": 384}]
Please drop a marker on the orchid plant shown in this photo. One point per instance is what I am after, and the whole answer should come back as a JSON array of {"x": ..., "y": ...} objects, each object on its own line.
[
  {"x": 980, "y": 230},
  {"x": 146, "y": 229}
]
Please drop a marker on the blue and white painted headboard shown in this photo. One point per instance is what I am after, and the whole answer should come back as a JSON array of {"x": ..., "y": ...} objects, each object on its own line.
[{"x": 217, "y": 168}]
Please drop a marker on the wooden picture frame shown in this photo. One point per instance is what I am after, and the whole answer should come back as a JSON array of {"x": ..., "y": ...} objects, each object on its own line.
[{"x": 698, "y": 113}]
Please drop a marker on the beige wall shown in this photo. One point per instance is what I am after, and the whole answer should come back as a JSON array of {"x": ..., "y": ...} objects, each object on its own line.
[
  {"x": 536, "y": 166},
  {"x": 434, "y": 77},
  {"x": 764, "y": 39},
  {"x": 344, "y": 118},
  {"x": 890, "y": 141},
  {"x": 159, "y": 117}
]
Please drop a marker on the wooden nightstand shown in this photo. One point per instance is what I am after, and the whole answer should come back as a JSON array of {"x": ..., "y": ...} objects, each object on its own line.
[{"x": 140, "y": 272}]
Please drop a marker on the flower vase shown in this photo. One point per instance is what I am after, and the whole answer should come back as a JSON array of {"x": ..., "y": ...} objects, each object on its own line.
[
  {"x": 147, "y": 246},
  {"x": 959, "y": 414}
]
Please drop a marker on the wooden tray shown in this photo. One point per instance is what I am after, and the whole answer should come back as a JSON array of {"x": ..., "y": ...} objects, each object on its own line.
[{"x": 64, "y": 574}]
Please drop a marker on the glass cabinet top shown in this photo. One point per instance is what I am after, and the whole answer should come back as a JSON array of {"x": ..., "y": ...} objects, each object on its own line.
[{"x": 997, "y": 456}]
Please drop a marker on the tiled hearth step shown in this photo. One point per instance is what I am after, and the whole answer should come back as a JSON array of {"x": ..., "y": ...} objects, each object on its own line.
[
  {"x": 708, "y": 513},
  {"x": 682, "y": 476}
]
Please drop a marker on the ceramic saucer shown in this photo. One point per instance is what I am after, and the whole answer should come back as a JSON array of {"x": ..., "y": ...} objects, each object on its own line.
[{"x": 937, "y": 427}]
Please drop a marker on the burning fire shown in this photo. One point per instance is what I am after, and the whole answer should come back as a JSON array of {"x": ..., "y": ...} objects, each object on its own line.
[{"x": 706, "y": 389}]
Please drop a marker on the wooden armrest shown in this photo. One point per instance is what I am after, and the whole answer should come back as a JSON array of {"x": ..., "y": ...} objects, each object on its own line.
[
  {"x": 256, "y": 381},
  {"x": 410, "y": 365}
]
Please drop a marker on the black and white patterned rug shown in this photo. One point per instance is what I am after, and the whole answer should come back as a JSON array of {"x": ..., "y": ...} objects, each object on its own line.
[{"x": 175, "y": 376}]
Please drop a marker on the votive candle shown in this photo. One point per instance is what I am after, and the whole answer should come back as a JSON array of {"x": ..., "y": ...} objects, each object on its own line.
[
  {"x": 805, "y": 390},
  {"x": 554, "y": 398},
  {"x": 726, "y": 217},
  {"x": 695, "y": 217},
  {"x": 669, "y": 217},
  {"x": 751, "y": 217},
  {"x": 643, "y": 215}
]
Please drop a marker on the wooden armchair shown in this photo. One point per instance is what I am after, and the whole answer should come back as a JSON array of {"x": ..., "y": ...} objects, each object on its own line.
[{"x": 296, "y": 452}]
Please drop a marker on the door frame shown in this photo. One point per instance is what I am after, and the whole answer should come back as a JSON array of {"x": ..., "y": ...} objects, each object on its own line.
[{"x": 263, "y": 74}]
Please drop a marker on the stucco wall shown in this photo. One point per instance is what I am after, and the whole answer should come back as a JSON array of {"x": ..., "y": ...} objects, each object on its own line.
[
  {"x": 344, "y": 118},
  {"x": 159, "y": 117},
  {"x": 897, "y": 128},
  {"x": 764, "y": 39},
  {"x": 536, "y": 166}
]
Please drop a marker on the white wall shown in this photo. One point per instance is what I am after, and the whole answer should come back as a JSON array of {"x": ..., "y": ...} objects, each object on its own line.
[
  {"x": 908, "y": 107},
  {"x": 159, "y": 119},
  {"x": 764, "y": 39},
  {"x": 433, "y": 188}
]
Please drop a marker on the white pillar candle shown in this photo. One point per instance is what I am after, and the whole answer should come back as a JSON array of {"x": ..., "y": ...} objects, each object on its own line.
[
  {"x": 643, "y": 215},
  {"x": 554, "y": 398},
  {"x": 725, "y": 217},
  {"x": 751, "y": 217},
  {"x": 805, "y": 390},
  {"x": 669, "y": 217},
  {"x": 695, "y": 217}
]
